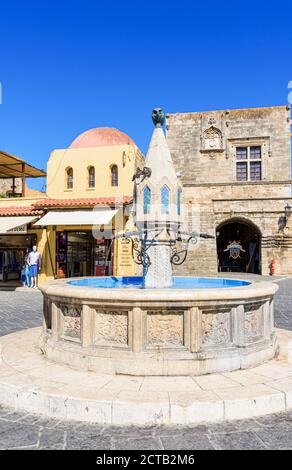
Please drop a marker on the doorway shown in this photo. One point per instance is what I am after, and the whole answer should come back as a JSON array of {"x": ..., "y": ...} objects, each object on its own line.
[
  {"x": 238, "y": 247},
  {"x": 13, "y": 249},
  {"x": 79, "y": 254}
]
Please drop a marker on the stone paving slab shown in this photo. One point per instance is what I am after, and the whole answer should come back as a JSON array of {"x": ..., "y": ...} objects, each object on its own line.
[
  {"x": 31, "y": 382},
  {"x": 21, "y": 430}
]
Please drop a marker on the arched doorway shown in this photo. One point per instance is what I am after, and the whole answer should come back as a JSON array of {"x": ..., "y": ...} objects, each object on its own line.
[{"x": 238, "y": 246}]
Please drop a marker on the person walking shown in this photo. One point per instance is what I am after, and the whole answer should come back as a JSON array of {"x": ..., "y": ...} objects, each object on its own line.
[{"x": 34, "y": 261}]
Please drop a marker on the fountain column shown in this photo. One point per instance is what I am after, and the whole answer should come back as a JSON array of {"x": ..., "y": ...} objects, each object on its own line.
[
  {"x": 159, "y": 273},
  {"x": 157, "y": 214}
]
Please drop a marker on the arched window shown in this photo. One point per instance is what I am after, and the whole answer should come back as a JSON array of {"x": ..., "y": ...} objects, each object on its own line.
[
  {"x": 69, "y": 178},
  {"x": 146, "y": 200},
  {"x": 114, "y": 175},
  {"x": 164, "y": 194},
  {"x": 179, "y": 201},
  {"x": 91, "y": 177}
]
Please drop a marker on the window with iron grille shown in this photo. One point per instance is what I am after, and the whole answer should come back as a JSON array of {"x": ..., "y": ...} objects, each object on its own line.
[
  {"x": 241, "y": 153},
  {"x": 248, "y": 163},
  {"x": 241, "y": 171},
  {"x": 255, "y": 171}
]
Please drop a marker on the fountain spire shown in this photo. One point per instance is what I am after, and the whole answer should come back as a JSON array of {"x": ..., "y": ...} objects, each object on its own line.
[{"x": 157, "y": 206}]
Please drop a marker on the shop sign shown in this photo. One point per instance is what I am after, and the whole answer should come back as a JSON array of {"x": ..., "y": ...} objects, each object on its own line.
[
  {"x": 20, "y": 229},
  {"x": 234, "y": 249}
]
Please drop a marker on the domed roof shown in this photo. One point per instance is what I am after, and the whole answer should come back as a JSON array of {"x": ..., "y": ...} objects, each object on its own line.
[{"x": 101, "y": 137}]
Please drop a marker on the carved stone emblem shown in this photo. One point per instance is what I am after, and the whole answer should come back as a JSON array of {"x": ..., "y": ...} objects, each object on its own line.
[{"x": 212, "y": 139}]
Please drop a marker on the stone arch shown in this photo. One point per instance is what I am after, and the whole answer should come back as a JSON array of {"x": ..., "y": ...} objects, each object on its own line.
[
  {"x": 240, "y": 219},
  {"x": 248, "y": 236}
]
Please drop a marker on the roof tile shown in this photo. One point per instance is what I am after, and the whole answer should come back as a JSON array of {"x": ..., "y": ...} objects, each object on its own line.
[
  {"x": 38, "y": 206},
  {"x": 22, "y": 210},
  {"x": 82, "y": 202}
]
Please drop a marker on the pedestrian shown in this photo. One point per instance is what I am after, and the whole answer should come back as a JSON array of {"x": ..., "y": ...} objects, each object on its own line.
[{"x": 34, "y": 262}]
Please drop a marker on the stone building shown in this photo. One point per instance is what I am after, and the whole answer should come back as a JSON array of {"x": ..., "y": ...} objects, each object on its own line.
[
  {"x": 8, "y": 186},
  {"x": 235, "y": 170}
]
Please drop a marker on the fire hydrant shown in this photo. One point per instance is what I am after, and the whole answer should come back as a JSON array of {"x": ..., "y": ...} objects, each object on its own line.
[{"x": 272, "y": 267}]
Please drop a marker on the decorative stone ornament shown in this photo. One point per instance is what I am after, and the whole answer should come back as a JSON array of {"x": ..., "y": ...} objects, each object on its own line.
[{"x": 212, "y": 121}]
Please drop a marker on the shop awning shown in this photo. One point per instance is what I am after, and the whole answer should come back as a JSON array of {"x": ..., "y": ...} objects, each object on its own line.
[
  {"x": 13, "y": 223},
  {"x": 14, "y": 167},
  {"x": 86, "y": 217}
]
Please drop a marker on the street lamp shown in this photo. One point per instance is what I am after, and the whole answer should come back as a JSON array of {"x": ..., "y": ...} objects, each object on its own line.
[{"x": 288, "y": 210}]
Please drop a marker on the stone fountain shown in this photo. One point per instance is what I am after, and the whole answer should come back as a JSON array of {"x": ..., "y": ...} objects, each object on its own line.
[{"x": 158, "y": 324}]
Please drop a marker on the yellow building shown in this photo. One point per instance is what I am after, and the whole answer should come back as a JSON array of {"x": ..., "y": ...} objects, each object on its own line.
[{"x": 89, "y": 189}]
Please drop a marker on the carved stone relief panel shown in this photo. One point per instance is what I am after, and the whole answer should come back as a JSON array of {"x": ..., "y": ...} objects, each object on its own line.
[
  {"x": 253, "y": 321},
  {"x": 216, "y": 327},
  {"x": 71, "y": 321},
  {"x": 111, "y": 327},
  {"x": 165, "y": 329}
]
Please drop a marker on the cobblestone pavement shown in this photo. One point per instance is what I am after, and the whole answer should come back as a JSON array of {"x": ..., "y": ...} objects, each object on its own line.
[
  {"x": 20, "y": 430},
  {"x": 19, "y": 310}
]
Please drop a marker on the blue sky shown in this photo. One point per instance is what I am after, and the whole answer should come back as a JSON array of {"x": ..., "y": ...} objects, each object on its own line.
[{"x": 68, "y": 66}]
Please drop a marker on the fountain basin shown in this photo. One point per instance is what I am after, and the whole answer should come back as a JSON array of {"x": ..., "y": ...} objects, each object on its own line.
[
  {"x": 179, "y": 282},
  {"x": 184, "y": 330}
]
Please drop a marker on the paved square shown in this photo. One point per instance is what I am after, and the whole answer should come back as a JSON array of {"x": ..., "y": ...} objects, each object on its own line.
[{"x": 21, "y": 430}]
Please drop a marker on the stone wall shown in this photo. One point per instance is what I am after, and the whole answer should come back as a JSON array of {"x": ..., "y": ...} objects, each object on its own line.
[
  {"x": 6, "y": 186},
  {"x": 203, "y": 147},
  {"x": 203, "y": 144}
]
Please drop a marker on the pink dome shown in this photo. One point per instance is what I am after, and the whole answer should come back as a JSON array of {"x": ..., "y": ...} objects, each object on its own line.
[{"x": 101, "y": 137}]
